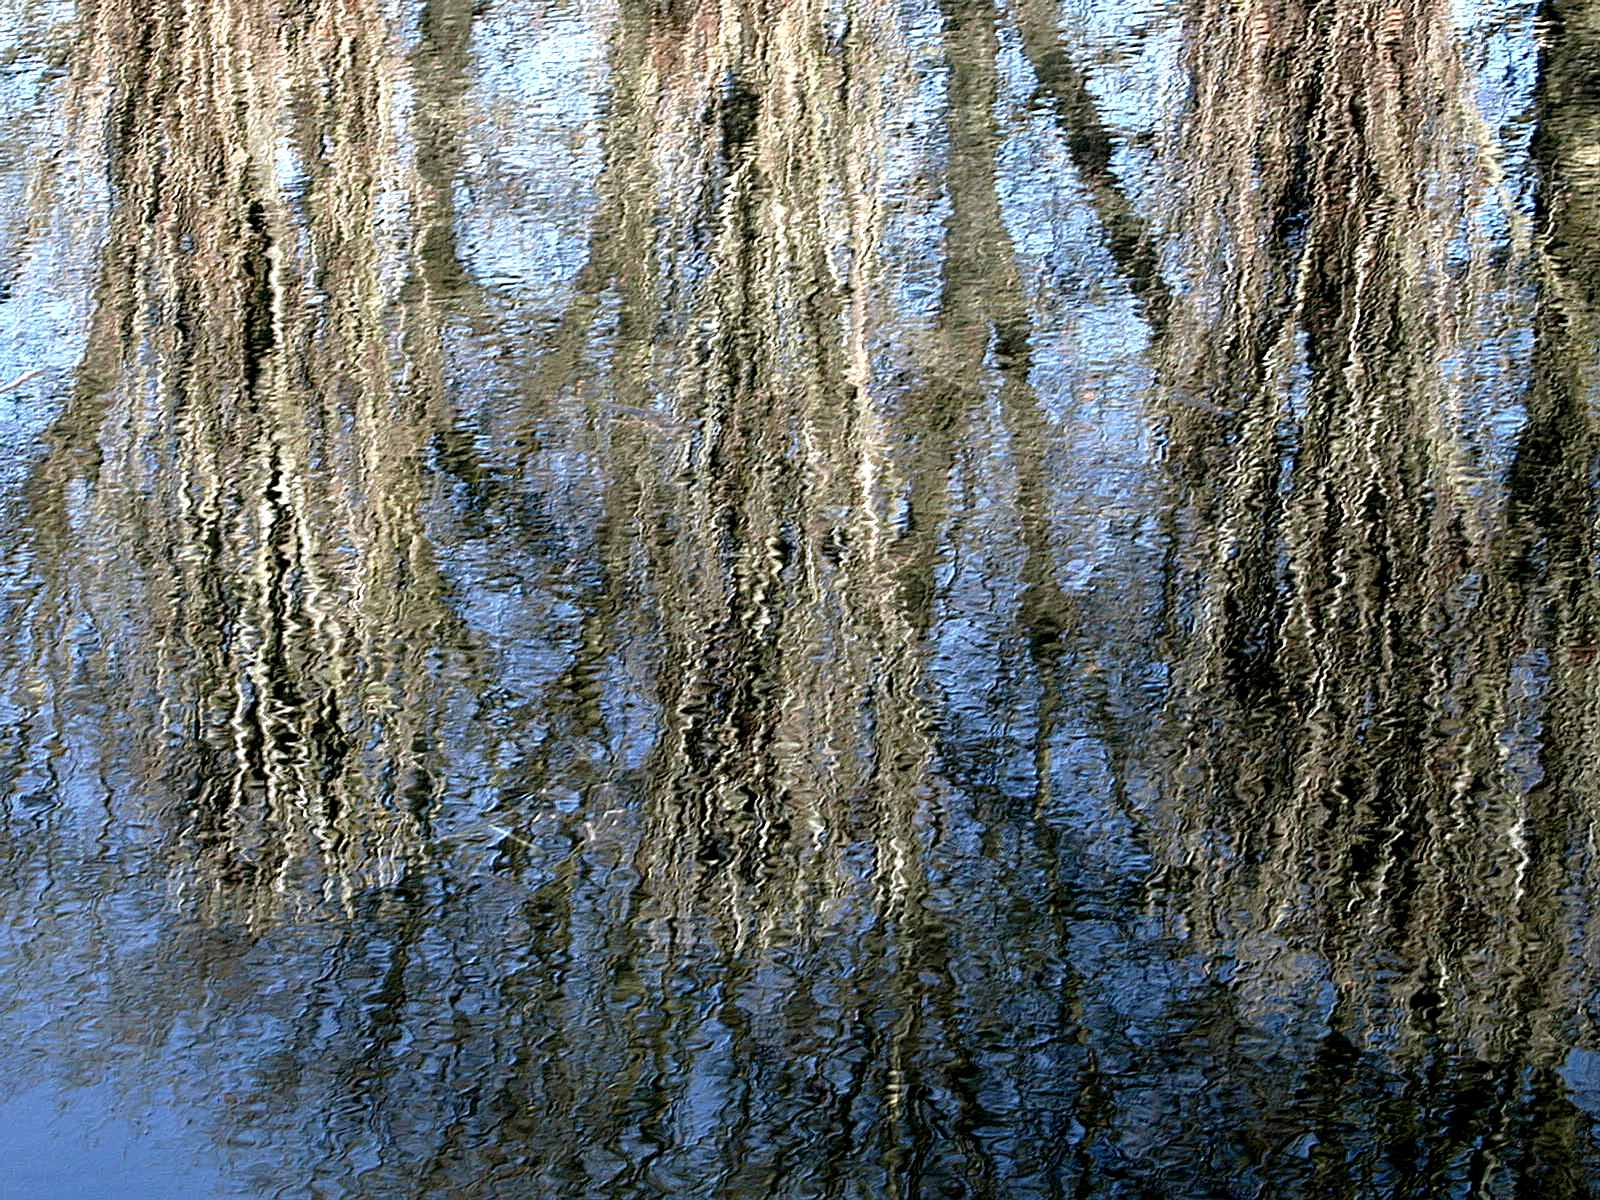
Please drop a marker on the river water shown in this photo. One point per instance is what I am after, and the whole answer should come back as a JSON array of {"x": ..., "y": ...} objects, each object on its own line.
[{"x": 799, "y": 598}]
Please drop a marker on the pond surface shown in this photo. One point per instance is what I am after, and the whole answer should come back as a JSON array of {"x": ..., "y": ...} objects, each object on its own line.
[{"x": 823, "y": 598}]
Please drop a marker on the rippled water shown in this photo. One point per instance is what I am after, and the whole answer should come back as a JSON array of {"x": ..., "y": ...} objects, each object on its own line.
[{"x": 835, "y": 598}]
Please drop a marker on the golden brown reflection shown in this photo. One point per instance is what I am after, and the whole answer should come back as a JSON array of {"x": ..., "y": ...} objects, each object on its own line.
[{"x": 1385, "y": 630}]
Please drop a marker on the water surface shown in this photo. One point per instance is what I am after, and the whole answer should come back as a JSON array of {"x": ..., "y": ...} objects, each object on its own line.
[{"x": 835, "y": 598}]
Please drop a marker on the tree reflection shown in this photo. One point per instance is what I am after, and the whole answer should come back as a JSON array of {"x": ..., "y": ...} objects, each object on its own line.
[{"x": 700, "y": 734}]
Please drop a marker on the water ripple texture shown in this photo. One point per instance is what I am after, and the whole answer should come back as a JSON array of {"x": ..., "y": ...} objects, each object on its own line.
[{"x": 834, "y": 599}]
